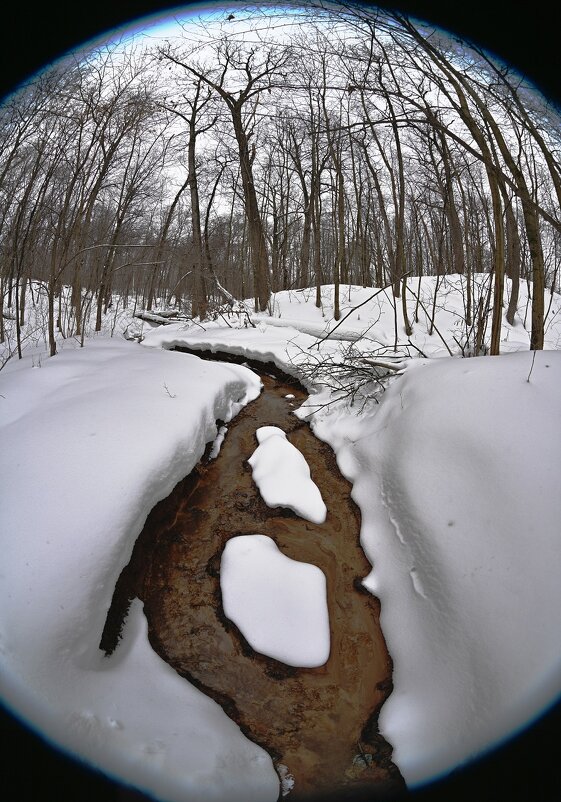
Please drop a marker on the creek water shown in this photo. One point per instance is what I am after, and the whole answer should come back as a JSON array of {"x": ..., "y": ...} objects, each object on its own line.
[{"x": 320, "y": 723}]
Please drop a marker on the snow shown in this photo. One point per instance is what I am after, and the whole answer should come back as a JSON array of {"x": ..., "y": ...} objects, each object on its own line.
[
  {"x": 457, "y": 475},
  {"x": 282, "y": 475},
  {"x": 279, "y": 604},
  {"x": 91, "y": 441},
  {"x": 286, "y": 778},
  {"x": 217, "y": 443},
  {"x": 457, "y": 478},
  {"x": 293, "y": 335}
]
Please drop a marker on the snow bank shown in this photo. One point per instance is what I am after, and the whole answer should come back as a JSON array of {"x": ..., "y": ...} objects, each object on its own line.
[
  {"x": 282, "y": 475},
  {"x": 285, "y": 347},
  {"x": 279, "y": 604},
  {"x": 293, "y": 335},
  {"x": 376, "y": 319},
  {"x": 91, "y": 441},
  {"x": 457, "y": 475}
]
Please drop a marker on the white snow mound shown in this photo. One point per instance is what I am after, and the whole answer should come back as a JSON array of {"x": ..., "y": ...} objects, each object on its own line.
[
  {"x": 90, "y": 442},
  {"x": 456, "y": 473},
  {"x": 279, "y": 604},
  {"x": 282, "y": 475}
]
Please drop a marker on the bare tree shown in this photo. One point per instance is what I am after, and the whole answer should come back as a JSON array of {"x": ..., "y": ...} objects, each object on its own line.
[{"x": 257, "y": 72}]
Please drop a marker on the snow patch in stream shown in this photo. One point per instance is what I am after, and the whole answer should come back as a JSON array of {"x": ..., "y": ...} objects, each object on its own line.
[
  {"x": 282, "y": 475},
  {"x": 279, "y": 604},
  {"x": 286, "y": 778}
]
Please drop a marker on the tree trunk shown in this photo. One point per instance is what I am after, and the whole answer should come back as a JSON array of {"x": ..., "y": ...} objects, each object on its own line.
[
  {"x": 258, "y": 245},
  {"x": 498, "y": 267}
]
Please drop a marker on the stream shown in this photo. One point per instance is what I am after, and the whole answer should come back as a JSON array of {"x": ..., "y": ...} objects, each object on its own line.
[{"x": 320, "y": 723}]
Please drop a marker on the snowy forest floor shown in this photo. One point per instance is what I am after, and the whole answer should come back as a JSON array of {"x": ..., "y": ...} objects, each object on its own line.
[{"x": 455, "y": 469}]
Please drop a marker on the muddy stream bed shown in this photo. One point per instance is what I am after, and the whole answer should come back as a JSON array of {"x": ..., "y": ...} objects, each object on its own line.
[{"x": 321, "y": 723}]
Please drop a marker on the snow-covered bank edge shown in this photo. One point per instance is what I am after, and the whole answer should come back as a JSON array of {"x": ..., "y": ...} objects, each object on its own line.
[
  {"x": 92, "y": 440},
  {"x": 456, "y": 474},
  {"x": 284, "y": 347}
]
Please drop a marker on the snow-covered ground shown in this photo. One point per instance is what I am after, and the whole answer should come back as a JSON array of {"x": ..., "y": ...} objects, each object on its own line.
[
  {"x": 118, "y": 319},
  {"x": 458, "y": 478},
  {"x": 90, "y": 442},
  {"x": 457, "y": 472}
]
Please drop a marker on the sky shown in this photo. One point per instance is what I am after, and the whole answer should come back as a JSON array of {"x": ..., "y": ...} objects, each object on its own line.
[{"x": 528, "y": 41}]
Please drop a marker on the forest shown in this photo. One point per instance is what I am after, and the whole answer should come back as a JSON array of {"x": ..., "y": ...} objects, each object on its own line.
[
  {"x": 268, "y": 151},
  {"x": 265, "y": 530}
]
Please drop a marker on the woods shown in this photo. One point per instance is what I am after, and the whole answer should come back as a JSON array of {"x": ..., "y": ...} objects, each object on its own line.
[{"x": 274, "y": 151}]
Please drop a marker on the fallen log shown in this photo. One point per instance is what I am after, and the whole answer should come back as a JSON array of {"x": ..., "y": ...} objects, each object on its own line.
[{"x": 163, "y": 318}]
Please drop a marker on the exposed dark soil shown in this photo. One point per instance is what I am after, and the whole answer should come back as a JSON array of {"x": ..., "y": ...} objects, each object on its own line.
[{"x": 321, "y": 723}]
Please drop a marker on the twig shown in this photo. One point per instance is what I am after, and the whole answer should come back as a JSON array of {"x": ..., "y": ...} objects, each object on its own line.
[
  {"x": 195, "y": 322},
  {"x": 416, "y": 348},
  {"x": 460, "y": 346},
  {"x": 362, "y": 753},
  {"x": 429, "y": 318},
  {"x": 224, "y": 319},
  {"x": 532, "y": 368}
]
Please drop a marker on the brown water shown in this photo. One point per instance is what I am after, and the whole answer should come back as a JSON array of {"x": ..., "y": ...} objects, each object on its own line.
[{"x": 321, "y": 723}]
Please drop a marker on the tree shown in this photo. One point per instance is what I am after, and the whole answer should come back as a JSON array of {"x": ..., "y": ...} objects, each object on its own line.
[{"x": 257, "y": 72}]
